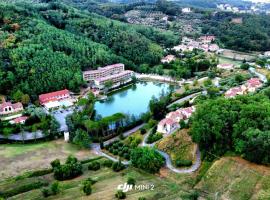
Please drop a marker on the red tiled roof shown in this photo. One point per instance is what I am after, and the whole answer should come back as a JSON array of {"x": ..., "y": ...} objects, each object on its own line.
[
  {"x": 168, "y": 121},
  {"x": 254, "y": 82},
  {"x": 53, "y": 96},
  {"x": 20, "y": 119},
  {"x": 14, "y": 106}
]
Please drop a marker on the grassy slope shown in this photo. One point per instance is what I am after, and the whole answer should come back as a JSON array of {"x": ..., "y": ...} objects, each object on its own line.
[
  {"x": 178, "y": 145},
  {"x": 236, "y": 179}
]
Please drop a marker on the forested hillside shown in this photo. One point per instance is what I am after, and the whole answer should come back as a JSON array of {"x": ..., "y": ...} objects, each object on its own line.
[
  {"x": 45, "y": 46},
  {"x": 252, "y": 33}
]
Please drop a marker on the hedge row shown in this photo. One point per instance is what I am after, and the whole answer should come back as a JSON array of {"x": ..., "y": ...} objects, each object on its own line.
[{"x": 23, "y": 188}]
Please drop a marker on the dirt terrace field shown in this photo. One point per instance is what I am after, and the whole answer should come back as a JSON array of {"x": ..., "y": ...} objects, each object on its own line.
[{"x": 18, "y": 158}]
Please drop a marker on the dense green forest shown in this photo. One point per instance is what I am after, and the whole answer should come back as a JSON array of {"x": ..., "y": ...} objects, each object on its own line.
[
  {"x": 42, "y": 43},
  {"x": 240, "y": 36},
  {"x": 238, "y": 125}
]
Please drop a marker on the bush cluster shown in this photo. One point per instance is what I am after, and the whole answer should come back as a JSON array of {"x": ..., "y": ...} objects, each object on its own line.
[
  {"x": 118, "y": 166},
  {"x": 120, "y": 149},
  {"x": 153, "y": 137},
  {"x": 94, "y": 166},
  {"x": 120, "y": 194},
  {"x": 71, "y": 169},
  {"x": 52, "y": 190},
  {"x": 183, "y": 163}
]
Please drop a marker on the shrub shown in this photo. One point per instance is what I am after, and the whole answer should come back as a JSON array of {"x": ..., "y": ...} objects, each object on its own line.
[
  {"x": 87, "y": 189},
  {"x": 107, "y": 163},
  {"x": 193, "y": 195},
  {"x": 118, "y": 166},
  {"x": 120, "y": 194},
  {"x": 143, "y": 131},
  {"x": 125, "y": 149},
  {"x": 182, "y": 124},
  {"x": 141, "y": 198},
  {"x": 126, "y": 156},
  {"x": 111, "y": 149},
  {"x": 153, "y": 137},
  {"x": 121, "y": 153},
  {"x": 131, "y": 181},
  {"x": 147, "y": 159},
  {"x": 55, "y": 163},
  {"x": 45, "y": 192},
  {"x": 183, "y": 163},
  {"x": 71, "y": 169},
  {"x": 55, "y": 188},
  {"x": 91, "y": 181},
  {"x": 115, "y": 152},
  {"x": 94, "y": 166}
]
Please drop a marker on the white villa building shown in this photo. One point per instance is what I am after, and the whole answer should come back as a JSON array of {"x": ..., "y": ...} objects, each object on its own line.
[{"x": 171, "y": 122}]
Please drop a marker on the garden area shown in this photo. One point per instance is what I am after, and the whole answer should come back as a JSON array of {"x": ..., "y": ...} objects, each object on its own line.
[{"x": 122, "y": 148}]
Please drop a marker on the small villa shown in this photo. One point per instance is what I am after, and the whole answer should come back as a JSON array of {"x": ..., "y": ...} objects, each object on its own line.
[
  {"x": 225, "y": 66},
  {"x": 213, "y": 48},
  {"x": 171, "y": 122},
  {"x": 233, "y": 92},
  {"x": 251, "y": 86},
  {"x": 168, "y": 59},
  {"x": 7, "y": 108},
  {"x": 167, "y": 126}
]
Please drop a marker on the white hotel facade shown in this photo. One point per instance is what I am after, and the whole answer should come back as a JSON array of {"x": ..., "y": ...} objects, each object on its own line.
[{"x": 115, "y": 73}]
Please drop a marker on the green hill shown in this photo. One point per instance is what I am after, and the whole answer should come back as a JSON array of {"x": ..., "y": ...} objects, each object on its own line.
[{"x": 45, "y": 46}]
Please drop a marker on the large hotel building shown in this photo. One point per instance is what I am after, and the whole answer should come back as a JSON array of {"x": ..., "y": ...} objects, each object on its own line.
[{"x": 115, "y": 73}]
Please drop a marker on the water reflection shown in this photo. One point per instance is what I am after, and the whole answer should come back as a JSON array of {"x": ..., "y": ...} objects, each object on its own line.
[{"x": 133, "y": 100}]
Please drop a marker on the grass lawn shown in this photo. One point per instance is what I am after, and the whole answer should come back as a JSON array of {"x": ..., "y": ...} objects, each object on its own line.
[
  {"x": 178, "y": 145},
  {"x": 223, "y": 60},
  {"x": 18, "y": 158},
  {"x": 236, "y": 179},
  {"x": 106, "y": 186}
]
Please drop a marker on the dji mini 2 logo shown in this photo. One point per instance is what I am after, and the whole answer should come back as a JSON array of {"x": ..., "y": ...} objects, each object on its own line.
[{"x": 127, "y": 187}]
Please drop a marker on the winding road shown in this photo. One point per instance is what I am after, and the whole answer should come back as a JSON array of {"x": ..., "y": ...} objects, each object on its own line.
[
  {"x": 194, "y": 167},
  {"x": 96, "y": 148}
]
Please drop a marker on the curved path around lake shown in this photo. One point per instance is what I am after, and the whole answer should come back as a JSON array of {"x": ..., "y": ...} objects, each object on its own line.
[
  {"x": 169, "y": 165},
  {"x": 194, "y": 167}
]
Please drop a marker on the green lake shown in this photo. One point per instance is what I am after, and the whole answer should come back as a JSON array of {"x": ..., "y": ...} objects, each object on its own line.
[{"x": 133, "y": 100}]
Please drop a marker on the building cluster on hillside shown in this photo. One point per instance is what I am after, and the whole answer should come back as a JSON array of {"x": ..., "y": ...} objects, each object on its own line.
[
  {"x": 205, "y": 43},
  {"x": 115, "y": 73},
  {"x": 61, "y": 98},
  {"x": 168, "y": 59},
  {"x": 171, "y": 122},
  {"x": 254, "y": 8},
  {"x": 13, "y": 112},
  {"x": 251, "y": 86},
  {"x": 228, "y": 8},
  {"x": 186, "y": 10}
]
